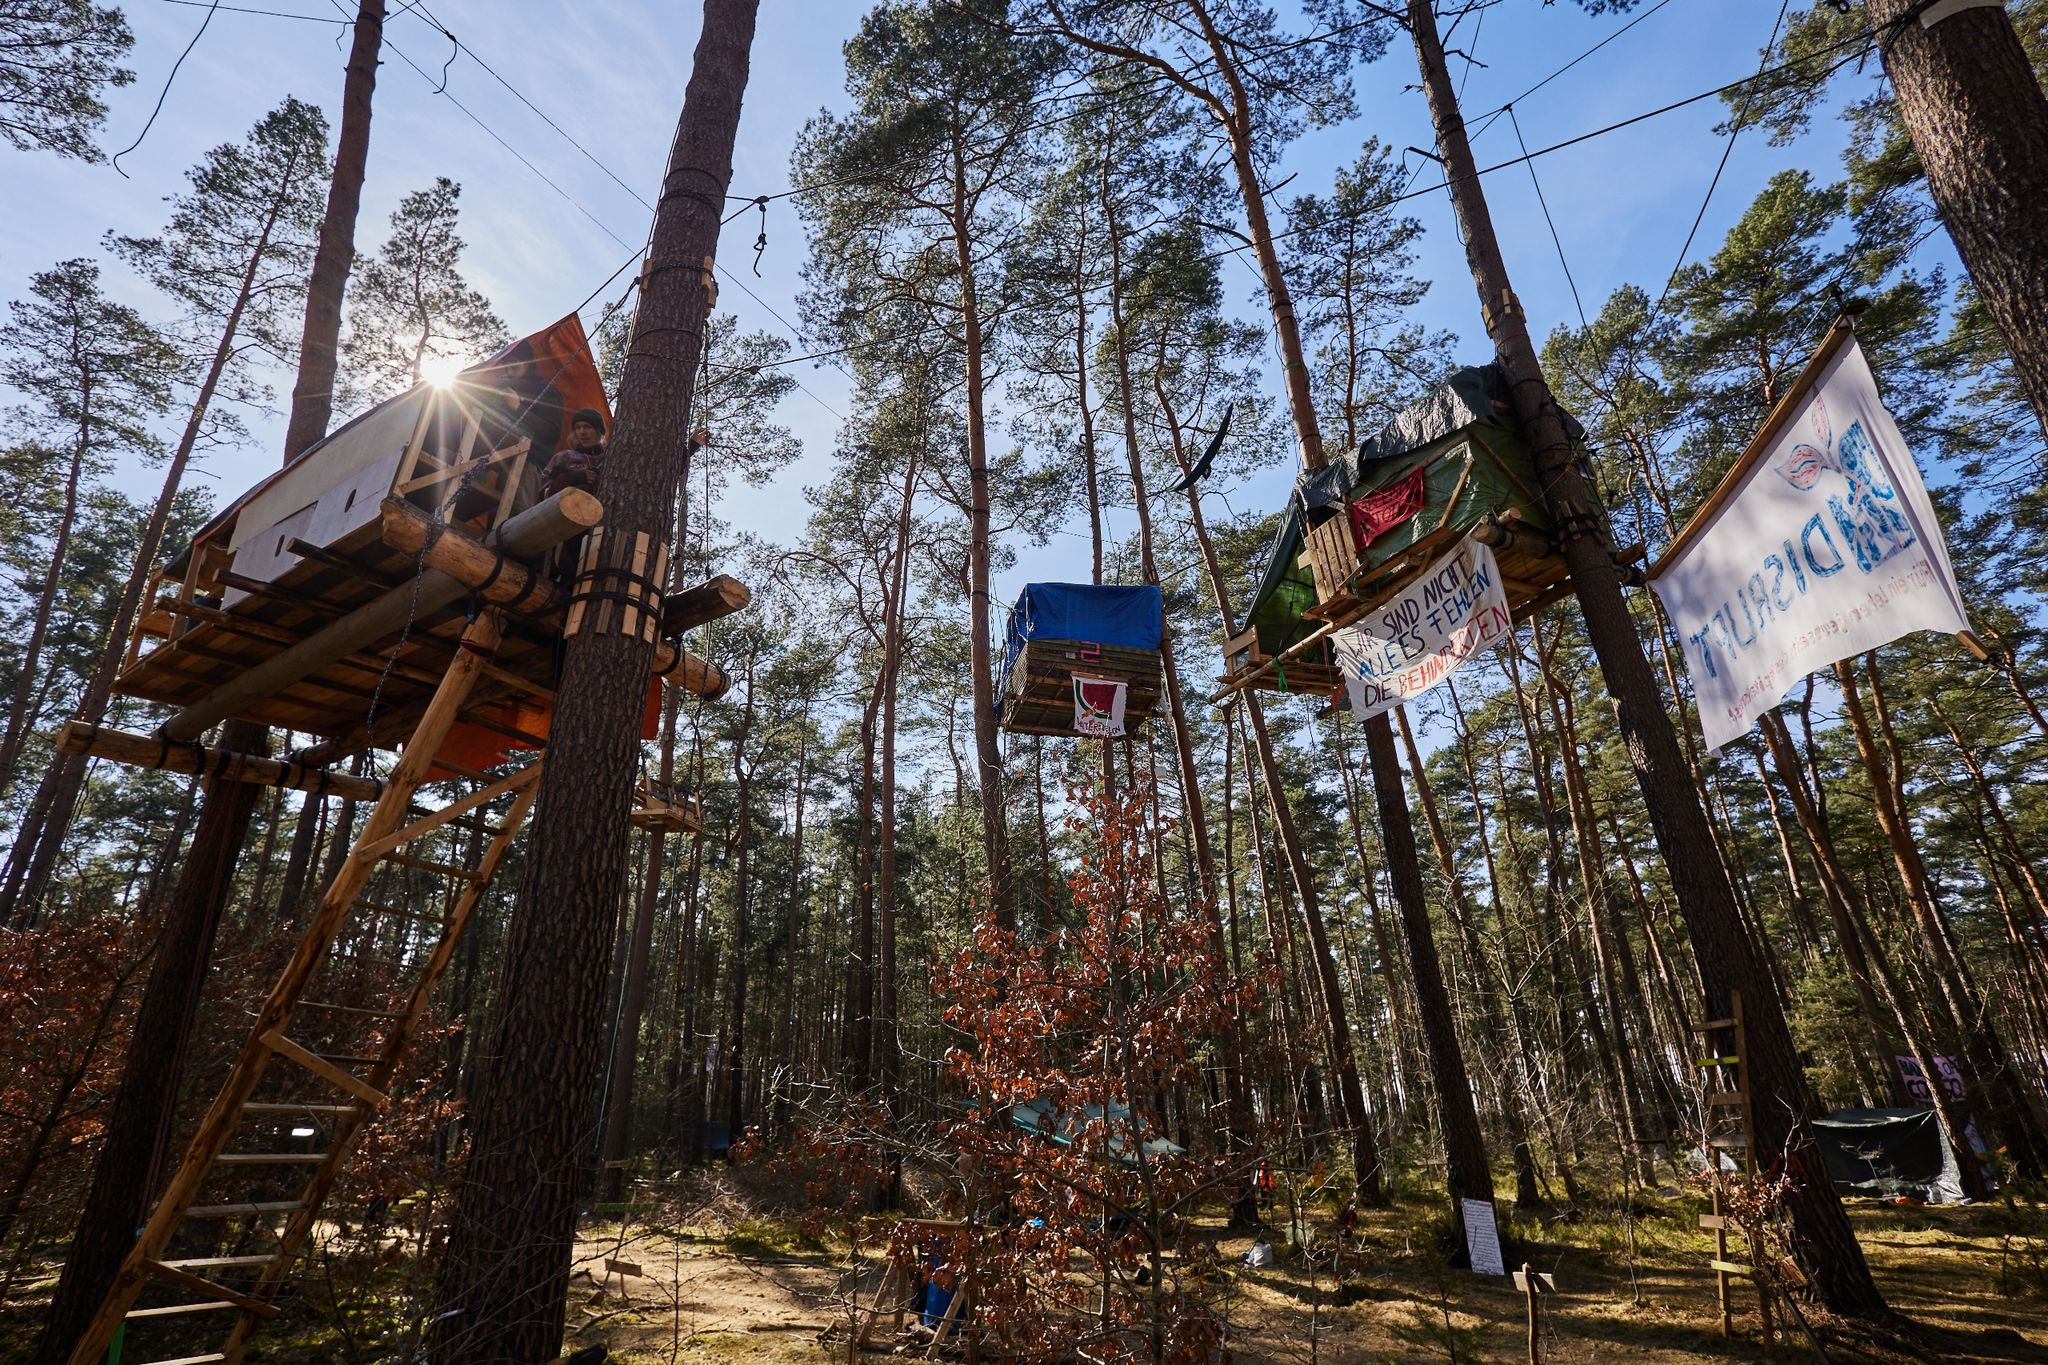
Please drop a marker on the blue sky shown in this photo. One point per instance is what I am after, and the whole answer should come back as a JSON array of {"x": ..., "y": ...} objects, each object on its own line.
[{"x": 612, "y": 74}]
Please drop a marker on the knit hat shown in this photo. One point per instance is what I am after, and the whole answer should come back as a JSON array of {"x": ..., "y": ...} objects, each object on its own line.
[{"x": 590, "y": 415}]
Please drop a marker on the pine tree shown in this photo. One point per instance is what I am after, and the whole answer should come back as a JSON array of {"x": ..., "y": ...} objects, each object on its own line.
[
  {"x": 93, "y": 375},
  {"x": 411, "y": 312},
  {"x": 57, "y": 57},
  {"x": 234, "y": 254}
]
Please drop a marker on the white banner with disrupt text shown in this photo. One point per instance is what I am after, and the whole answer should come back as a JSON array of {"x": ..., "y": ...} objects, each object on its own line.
[{"x": 1820, "y": 544}]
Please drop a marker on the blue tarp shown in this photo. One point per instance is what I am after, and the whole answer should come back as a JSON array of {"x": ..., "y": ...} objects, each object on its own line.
[{"x": 1133, "y": 617}]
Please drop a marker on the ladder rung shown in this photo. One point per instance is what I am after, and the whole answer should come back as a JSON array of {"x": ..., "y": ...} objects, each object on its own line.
[
  {"x": 1731, "y": 1097},
  {"x": 1719, "y": 1061},
  {"x": 247, "y": 1303},
  {"x": 344, "y": 1059},
  {"x": 242, "y": 1210},
  {"x": 1719, "y": 1222},
  {"x": 1713, "y": 1024},
  {"x": 424, "y": 916},
  {"x": 270, "y": 1159},
  {"x": 187, "y": 1360},
  {"x": 171, "y": 1310},
  {"x": 471, "y": 773},
  {"x": 219, "y": 1263},
  {"x": 428, "y": 865},
  {"x": 324, "y": 1068},
  {"x": 1733, "y": 1142},
  {"x": 1731, "y": 1268},
  {"x": 289, "y": 1107},
  {"x": 351, "y": 1009}
]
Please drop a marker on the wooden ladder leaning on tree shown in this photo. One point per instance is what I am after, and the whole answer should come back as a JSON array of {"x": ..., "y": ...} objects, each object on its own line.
[{"x": 358, "y": 1049}]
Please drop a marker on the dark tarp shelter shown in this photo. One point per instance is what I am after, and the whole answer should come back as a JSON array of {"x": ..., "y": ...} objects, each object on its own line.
[
  {"x": 1060, "y": 631},
  {"x": 1102, "y": 614},
  {"x": 1884, "y": 1153},
  {"x": 1463, "y": 436}
]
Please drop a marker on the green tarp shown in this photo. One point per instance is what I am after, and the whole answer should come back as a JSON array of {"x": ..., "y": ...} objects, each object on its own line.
[{"x": 1467, "y": 415}]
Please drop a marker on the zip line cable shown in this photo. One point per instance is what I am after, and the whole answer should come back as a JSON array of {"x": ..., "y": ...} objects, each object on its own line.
[
  {"x": 1544, "y": 204},
  {"x": 1727, "y": 150},
  {"x": 1492, "y": 115}
]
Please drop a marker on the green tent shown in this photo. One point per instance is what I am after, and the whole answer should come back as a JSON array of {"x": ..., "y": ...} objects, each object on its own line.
[{"x": 1475, "y": 462}]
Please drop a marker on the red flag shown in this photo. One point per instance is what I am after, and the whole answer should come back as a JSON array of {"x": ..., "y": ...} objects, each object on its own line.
[{"x": 1383, "y": 509}]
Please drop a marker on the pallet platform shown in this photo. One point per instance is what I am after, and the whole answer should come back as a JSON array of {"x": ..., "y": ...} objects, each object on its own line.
[{"x": 1038, "y": 694}]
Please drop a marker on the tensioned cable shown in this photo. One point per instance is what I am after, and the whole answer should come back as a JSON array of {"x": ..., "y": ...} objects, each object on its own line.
[{"x": 1542, "y": 203}]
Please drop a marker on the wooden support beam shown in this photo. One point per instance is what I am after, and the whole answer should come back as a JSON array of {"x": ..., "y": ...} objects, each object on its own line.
[
  {"x": 145, "y": 751},
  {"x": 454, "y": 809},
  {"x": 520, "y": 589},
  {"x": 236, "y": 624},
  {"x": 715, "y": 597},
  {"x": 540, "y": 527}
]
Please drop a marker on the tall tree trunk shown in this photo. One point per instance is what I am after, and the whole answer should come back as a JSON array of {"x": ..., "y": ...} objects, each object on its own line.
[
  {"x": 1495, "y": 1027},
  {"x": 1820, "y": 1238},
  {"x": 19, "y": 717},
  {"x": 504, "y": 1284},
  {"x": 1466, "y": 1172},
  {"x": 988, "y": 754},
  {"x": 1979, "y": 123}
]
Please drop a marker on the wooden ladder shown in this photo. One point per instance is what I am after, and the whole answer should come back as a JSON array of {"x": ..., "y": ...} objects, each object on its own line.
[
  {"x": 348, "y": 1053},
  {"x": 1731, "y": 1128}
]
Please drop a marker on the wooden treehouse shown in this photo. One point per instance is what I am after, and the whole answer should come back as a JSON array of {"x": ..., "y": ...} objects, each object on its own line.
[
  {"x": 403, "y": 585},
  {"x": 1363, "y": 528},
  {"x": 1076, "y": 649}
]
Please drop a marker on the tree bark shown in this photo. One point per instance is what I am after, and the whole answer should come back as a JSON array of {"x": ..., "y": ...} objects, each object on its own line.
[
  {"x": 1820, "y": 1237},
  {"x": 1979, "y": 123},
  {"x": 504, "y": 1287}
]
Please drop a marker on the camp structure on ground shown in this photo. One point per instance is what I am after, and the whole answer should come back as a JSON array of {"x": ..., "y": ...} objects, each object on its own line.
[
  {"x": 1110, "y": 1128},
  {"x": 1360, "y": 529},
  {"x": 405, "y": 584},
  {"x": 1888, "y": 1153},
  {"x": 1062, "y": 635}
]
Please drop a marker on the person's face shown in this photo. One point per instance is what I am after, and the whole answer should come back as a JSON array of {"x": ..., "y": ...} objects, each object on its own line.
[{"x": 585, "y": 436}]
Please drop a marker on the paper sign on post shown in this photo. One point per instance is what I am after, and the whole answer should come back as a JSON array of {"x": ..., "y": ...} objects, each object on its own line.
[
  {"x": 1820, "y": 543},
  {"x": 1482, "y": 1237},
  {"x": 1412, "y": 642}
]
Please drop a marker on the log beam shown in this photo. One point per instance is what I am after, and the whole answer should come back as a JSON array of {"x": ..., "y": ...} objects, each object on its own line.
[
  {"x": 146, "y": 751},
  {"x": 539, "y": 528},
  {"x": 715, "y": 597},
  {"x": 520, "y": 589}
]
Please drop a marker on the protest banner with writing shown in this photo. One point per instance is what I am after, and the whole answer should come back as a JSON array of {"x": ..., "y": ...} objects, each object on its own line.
[
  {"x": 1819, "y": 544},
  {"x": 1414, "y": 641}
]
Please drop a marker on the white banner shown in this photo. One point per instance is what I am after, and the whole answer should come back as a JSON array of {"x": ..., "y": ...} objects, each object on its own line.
[
  {"x": 1099, "y": 707},
  {"x": 1454, "y": 610},
  {"x": 1820, "y": 544}
]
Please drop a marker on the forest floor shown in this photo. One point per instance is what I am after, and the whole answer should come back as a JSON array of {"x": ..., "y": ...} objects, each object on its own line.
[
  {"x": 724, "y": 1278},
  {"x": 765, "y": 1293}
]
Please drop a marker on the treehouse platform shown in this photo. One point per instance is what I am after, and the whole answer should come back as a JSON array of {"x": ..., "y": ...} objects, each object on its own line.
[
  {"x": 330, "y": 598},
  {"x": 1363, "y": 528},
  {"x": 1082, "y": 659}
]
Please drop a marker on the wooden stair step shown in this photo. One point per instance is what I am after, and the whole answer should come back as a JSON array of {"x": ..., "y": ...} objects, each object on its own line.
[
  {"x": 398, "y": 912},
  {"x": 351, "y": 1009},
  {"x": 186, "y": 1360},
  {"x": 1713, "y": 1024},
  {"x": 1729, "y": 1142},
  {"x": 172, "y": 1310},
  {"x": 270, "y": 1158},
  {"x": 1729, "y": 1097},
  {"x": 243, "y": 1210},
  {"x": 219, "y": 1263},
  {"x": 325, "y": 1068},
  {"x": 292, "y": 1107},
  {"x": 429, "y": 865},
  {"x": 262, "y": 1308},
  {"x": 1731, "y": 1268}
]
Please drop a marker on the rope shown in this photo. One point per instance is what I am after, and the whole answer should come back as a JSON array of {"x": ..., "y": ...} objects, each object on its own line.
[
  {"x": 1545, "y": 206},
  {"x": 165, "y": 93}
]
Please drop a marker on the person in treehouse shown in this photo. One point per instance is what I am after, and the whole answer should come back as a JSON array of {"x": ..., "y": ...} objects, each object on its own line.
[{"x": 582, "y": 464}]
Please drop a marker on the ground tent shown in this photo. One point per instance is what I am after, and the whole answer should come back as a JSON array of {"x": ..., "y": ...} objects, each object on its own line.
[{"x": 1884, "y": 1153}]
